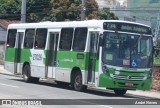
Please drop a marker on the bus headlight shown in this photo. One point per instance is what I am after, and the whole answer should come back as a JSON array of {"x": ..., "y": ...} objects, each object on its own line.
[
  {"x": 105, "y": 70},
  {"x": 149, "y": 74}
]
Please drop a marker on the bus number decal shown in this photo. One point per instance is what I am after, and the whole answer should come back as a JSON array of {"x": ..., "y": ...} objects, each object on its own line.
[{"x": 37, "y": 56}]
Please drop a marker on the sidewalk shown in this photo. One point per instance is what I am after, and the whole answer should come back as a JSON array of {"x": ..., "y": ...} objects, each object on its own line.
[
  {"x": 150, "y": 94},
  {"x": 3, "y": 71}
]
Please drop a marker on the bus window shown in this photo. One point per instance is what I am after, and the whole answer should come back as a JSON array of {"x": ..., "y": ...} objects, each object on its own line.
[
  {"x": 80, "y": 39},
  {"x": 29, "y": 38},
  {"x": 11, "y": 38},
  {"x": 66, "y": 38},
  {"x": 40, "y": 39}
]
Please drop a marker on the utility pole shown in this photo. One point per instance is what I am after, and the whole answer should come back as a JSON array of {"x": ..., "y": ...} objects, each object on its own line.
[
  {"x": 23, "y": 11},
  {"x": 157, "y": 30},
  {"x": 83, "y": 9}
]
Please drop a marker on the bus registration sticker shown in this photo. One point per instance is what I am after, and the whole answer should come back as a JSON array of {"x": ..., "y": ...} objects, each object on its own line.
[
  {"x": 129, "y": 84},
  {"x": 126, "y": 62}
]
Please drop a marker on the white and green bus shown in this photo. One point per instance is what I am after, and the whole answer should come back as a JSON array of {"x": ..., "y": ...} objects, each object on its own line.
[{"x": 111, "y": 54}]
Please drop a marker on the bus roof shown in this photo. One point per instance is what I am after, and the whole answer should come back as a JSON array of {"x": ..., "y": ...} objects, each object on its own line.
[{"x": 86, "y": 23}]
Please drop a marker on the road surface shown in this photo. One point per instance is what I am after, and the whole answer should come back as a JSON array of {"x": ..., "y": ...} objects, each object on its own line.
[{"x": 12, "y": 87}]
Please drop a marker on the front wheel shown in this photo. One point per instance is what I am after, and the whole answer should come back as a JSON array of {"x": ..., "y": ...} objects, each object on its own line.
[{"x": 120, "y": 92}]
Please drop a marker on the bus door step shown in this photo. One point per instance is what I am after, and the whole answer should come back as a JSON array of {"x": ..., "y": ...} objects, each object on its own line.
[{"x": 90, "y": 84}]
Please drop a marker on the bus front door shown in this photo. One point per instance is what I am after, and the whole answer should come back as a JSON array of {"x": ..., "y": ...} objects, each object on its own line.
[
  {"x": 17, "y": 59},
  {"x": 51, "y": 54},
  {"x": 92, "y": 56}
]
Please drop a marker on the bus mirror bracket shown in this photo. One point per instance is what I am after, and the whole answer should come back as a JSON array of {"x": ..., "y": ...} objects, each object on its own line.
[
  {"x": 154, "y": 50},
  {"x": 101, "y": 40}
]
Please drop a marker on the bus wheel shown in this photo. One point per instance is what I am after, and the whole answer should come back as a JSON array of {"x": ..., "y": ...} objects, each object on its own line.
[
  {"x": 120, "y": 92},
  {"x": 26, "y": 74},
  {"x": 76, "y": 83}
]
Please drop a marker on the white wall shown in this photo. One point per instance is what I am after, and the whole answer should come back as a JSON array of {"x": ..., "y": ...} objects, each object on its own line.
[{"x": 2, "y": 34}]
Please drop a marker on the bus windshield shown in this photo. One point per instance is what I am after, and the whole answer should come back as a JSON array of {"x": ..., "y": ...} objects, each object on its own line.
[{"x": 127, "y": 50}]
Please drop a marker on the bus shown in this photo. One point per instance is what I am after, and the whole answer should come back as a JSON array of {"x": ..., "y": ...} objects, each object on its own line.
[{"x": 110, "y": 54}]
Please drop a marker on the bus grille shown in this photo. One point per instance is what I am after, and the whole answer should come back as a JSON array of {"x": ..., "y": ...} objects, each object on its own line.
[{"x": 128, "y": 77}]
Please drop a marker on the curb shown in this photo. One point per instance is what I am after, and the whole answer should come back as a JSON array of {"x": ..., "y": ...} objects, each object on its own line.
[
  {"x": 144, "y": 96},
  {"x": 11, "y": 74},
  {"x": 7, "y": 74}
]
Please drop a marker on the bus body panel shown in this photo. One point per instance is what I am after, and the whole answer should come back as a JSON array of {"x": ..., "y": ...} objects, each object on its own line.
[
  {"x": 67, "y": 60},
  {"x": 63, "y": 74},
  {"x": 112, "y": 83}
]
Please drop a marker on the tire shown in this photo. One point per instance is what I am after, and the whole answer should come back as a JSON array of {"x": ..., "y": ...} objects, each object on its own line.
[
  {"x": 120, "y": 92},
  {"x": 27, "y": 75},
  {"x": 76, "y": 82}
]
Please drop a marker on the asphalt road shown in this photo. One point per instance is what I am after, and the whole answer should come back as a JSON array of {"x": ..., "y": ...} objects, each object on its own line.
[{"x": 12, "y": 87}]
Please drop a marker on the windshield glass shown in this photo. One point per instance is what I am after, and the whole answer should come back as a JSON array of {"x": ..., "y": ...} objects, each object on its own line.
[{"x": 127, "y": 50}]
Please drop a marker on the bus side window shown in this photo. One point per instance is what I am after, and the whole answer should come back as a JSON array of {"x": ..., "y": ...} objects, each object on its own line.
[
  {"x": 11, "y": 38},
  {"x": 80, "y": 36},
  {"x": 40, "y": 39},
  {"x": 29, "y": 38},
  {"x": 66, "y": 38}
]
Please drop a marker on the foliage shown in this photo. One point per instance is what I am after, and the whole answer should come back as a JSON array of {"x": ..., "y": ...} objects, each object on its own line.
[
  {"x": 37, "y": 10},
  {"x": 158, "y": 43},
  {"x": 52, "y": 10},
  {"x": 91, "y": 9},
  {"x": 10, "y": 9},
  {"x": 106, "y": 15},
  {"x": 64, "y": 10},
  {"x": 71, "y": 9}
]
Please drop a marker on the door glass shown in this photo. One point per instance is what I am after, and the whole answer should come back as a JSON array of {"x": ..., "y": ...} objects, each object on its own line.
[
  {"x": 53, "y": 41},
  {"x": 92, "y": 56},
  {"x": 19, "y": 44}
]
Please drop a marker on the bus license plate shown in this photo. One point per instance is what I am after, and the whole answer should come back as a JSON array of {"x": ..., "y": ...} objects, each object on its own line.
[{"x": 129, "y": 84}]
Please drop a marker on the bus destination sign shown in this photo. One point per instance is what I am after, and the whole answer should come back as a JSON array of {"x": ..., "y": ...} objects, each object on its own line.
[{"x": 126, "y": 27}]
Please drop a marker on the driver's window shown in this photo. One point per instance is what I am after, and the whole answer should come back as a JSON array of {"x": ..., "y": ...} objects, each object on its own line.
[{"x": 145, "y": 46}]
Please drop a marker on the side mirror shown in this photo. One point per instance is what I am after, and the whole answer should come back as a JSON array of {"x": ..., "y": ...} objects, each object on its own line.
[
  {"x": 101, "y": 40},
  {"x": 153, "y": 50}
]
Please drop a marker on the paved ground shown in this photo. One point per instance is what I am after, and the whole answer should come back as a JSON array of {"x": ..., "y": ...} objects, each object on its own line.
[
  {"x": 137, "y": 92},
  {"x": 13, "y": 88}
]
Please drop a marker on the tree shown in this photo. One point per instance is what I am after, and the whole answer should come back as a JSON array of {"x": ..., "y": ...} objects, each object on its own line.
[
  {"x": 52, "y": 10},
  {"x": 64, "y": 10},
  {"x": 106, "y": 15},
  {"x": 36, "y": 9},
  {"x": 71, "y": 9},
  {"x": 10, "y": 9},
  {"x": 92, "y": 9}
]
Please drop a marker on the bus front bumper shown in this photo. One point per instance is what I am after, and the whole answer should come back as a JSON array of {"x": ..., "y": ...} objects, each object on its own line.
[{"x": 111, "y": 83}]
